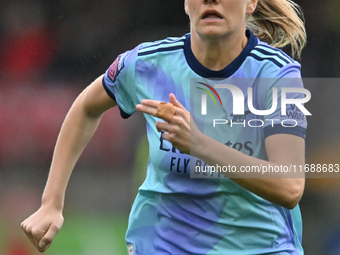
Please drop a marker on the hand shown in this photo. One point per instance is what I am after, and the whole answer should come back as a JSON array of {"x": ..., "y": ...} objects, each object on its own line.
[
  {"x": 42, "y": 226},
  {"x": 178, "y": 129}
]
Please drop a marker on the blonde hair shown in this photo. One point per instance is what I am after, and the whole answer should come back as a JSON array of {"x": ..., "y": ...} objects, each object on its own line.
[{"x": 279, "y": 23}]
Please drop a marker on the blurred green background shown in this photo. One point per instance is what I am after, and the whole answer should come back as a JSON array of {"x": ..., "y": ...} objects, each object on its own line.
[{"x": 51, "y": 50}]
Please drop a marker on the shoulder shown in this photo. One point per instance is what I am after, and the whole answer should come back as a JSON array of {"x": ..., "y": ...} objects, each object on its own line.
[
  {"x": 148, "y": 52},
  {"x": 264, "y": 52},
  {"x": 142, "y": 55},
  {"x": 272, "y": 62},
  {"x": 162, "y": 46}
]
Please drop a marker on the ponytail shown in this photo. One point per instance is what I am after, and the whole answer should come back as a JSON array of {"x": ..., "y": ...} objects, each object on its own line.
[{"x": 279, "y": 23}]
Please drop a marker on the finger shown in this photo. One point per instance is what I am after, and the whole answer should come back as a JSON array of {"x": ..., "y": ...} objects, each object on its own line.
[
  {"x": 180, "y": 112},
  {"x": 165, "y": 111},
  {"x": 47, "y": 239},
  {"x": 27, "y": 232},
  {"x": 32, "y": 234},
  {"x": 160, "y": 125},
  {"x": 150, "y": 102},
  {"x": 36, "y": 236},
  {"x": 146, "y": 109},
  {"x": 175, "y": 102},
  {"x": 166, "y": 136}
]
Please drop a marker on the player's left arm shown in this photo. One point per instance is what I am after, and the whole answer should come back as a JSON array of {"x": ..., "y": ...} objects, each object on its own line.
[
  {"x": 288, "y": 150},
  {"x": 286, "y": 189},
  {"x": 282, "y": 188}
]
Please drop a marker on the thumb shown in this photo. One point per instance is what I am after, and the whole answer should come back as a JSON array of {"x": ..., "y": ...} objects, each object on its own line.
[
  {"x": 175, "y": 102},
  {"x": 47, "y": 239}
]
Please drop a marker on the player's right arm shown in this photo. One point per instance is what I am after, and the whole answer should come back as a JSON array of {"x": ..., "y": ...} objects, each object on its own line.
[{"x": 78, "y": 128}]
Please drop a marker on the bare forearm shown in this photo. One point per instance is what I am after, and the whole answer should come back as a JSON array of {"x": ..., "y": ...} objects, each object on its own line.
[
  {"x": 77, "y": 130},
  {"x": 280, "y": 188}
]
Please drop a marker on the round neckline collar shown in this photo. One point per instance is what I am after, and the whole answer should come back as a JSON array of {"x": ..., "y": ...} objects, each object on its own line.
[{"x": 226, "y": 72}]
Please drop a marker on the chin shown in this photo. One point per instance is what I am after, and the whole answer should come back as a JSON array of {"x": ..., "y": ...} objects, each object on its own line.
[{"x": 212, "y": 33}]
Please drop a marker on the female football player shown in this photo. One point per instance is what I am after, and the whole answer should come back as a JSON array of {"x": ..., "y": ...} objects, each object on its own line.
[{"x": 173, "y": 213}]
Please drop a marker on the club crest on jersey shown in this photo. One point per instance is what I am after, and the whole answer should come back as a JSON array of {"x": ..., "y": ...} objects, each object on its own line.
[{"x": 116, "y": 67}]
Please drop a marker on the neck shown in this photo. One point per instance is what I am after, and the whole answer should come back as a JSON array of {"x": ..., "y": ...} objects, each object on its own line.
[{"x": 217, "y": 53}]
